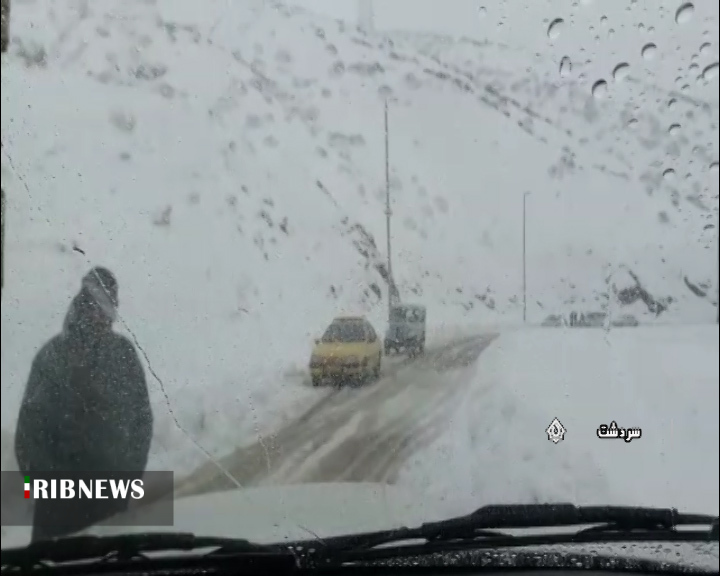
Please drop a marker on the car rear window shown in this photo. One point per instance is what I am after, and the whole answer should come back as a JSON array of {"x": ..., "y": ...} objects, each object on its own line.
[
  {"x": 407, "y": 315},
  {"x": 345, "y": 332}
]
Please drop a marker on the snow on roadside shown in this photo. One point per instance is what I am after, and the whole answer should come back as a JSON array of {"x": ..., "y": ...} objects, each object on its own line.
[
  {"x": 661, "y": 379},
  {"x": 231, "y": 419},
  {"x": 221, "y": 421},
  {"x": 440, "y": 334}
]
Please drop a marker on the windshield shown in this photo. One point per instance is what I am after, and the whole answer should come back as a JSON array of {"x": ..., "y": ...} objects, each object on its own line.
[
  {"x": 344, "y": 332},
  {"x": 195, "y": 189}
]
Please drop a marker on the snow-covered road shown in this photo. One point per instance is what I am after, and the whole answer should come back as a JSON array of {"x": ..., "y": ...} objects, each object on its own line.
[
  {"x": 464, "y": 425},
  {"x": 355, "y": 434}
]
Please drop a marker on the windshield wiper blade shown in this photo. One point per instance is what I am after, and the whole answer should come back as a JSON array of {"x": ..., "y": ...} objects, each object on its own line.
[
  {"x": 611, "y": 523},
  {"x": 565, "y": 515},
  {"x": 128, "y": 547}
]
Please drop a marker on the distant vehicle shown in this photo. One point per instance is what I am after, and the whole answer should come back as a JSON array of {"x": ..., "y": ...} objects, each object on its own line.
[
  {"x": 406, "y": 329},
  {"x": 595, "y": 319},
  {"x": 625, "y": 320},
  {"x": 553, "y": 321},
  {"x": 588, "y": 320},
  {"x": 349, "y": 351}
]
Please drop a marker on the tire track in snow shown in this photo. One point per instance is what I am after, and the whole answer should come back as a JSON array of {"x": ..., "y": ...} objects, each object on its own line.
[
  {"x": 405, "y": 438},
  {"x": 305, "y": 429},
  {"x": 339, "y": 396},
  {"x": 257, "y": 458},
  {"x": 330, "y": 412},
  {"x": 312, "y": 448},
  {"x": 385, "y": 450}
]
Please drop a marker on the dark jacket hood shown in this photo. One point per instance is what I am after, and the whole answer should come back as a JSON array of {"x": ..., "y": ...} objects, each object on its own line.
[{"x": 93, "y": 309}]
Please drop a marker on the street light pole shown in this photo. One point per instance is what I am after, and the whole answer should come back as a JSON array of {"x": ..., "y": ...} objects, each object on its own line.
[
  {"x": 524, "y": 256},
  {"x": 366, "y": 16},
  {"x": 388, "y": 210}
]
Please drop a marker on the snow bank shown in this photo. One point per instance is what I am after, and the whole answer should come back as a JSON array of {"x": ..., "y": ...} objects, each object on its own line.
[
  {"x": 442, "y": 333},
  {"x": 663, "y": 380}
]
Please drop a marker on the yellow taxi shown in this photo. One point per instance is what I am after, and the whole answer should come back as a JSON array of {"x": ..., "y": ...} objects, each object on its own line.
[{"x": 350, "y": 350}]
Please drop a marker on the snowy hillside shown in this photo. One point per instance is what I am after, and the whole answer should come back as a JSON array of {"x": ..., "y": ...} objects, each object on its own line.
[{"x": 226, "y": 160}]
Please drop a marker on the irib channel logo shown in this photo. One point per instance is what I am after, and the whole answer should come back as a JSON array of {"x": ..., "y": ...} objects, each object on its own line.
[
  {"x": 89, "y": 493},
  {"x": 95, "y": 489}
]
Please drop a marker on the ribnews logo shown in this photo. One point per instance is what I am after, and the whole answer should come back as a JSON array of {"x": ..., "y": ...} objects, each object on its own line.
[
  {"x": 89, "y": 489},
  {"x": 120, "y": 498}
]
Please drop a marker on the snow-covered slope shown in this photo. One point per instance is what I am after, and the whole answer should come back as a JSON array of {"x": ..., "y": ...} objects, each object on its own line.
[
  {"x": 226, "y": 160},
  {"x": 662, "y": 380}
]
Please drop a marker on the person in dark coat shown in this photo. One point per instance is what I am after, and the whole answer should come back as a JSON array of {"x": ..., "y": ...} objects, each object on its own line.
[{"x": 86, "y": 408}]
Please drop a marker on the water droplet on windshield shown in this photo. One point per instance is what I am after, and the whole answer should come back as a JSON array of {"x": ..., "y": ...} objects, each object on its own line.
[
  {"x": 649, "y": 51},
  {"x": 555, "y": 28},
  {"x": 685, "y": 13},
  {"x": 641, "y": 27},
  {"x": 674, "y": 129},
  {"x": 711, "y": 71},
  {"x": 621, "y": 71},
  {"x": 672, "y": 102},
  {"x": 714, "y": 167},
  {"x": 706, "y": 49},
  {"x": 632, "y": 123},
  {"x": 482, "y": 11},
  {"x": 600, "y": 89},
  {"x": 604, "y": 20},
  {"x": 669, "y": 174},
  {"x": 565, "y": 67}
]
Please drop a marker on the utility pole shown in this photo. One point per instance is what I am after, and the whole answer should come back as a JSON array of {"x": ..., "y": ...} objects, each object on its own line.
[
  {"x": 524, "y": 256},
  {"x": 388, "y": 211},
  {"x": 366, "y": 18}
]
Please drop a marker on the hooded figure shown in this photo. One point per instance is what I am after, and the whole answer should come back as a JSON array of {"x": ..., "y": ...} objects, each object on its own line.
[{"x": 86, "y": 407}]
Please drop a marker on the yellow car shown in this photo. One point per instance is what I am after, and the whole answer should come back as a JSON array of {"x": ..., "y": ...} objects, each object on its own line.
[{"x": 349, "y": 350}]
